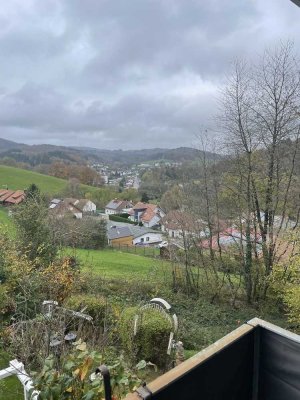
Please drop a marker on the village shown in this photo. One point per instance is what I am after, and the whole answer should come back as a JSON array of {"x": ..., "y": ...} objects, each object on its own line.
[
  {"x": 148, "y": 225},
  {"x": 128, "y": 176}
]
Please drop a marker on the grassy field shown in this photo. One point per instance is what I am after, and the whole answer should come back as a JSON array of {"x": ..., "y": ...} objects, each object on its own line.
[
  {"x": 116, "y": 264},
  {"x": 10, "y": 388},
  {"x": 16, "y": 178},
  {"x": 140, "y": 250}
]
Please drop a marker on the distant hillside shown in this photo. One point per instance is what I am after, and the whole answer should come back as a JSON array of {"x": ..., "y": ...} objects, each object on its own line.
[
  {"x": 138, "y": 156},
  {"x": 6, "y": 145},
  {"x": 41, "y": 154},
  {"x": 46, "y": 154},
  {"x": 15, "y": 178}
]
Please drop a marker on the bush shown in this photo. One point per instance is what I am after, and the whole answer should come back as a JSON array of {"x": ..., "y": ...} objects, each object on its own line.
[
  {"x": 95, "y": 306},
  {"x": 151, "y": 340},
  {"x": 59, "y": 279},
  {"x": 6, "y": 302},
  {"x": 123, "y": 215},
  {"x": 117, "y": 218}
]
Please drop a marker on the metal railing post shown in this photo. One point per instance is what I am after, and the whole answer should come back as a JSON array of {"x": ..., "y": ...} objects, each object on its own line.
[{"x": 106, "y": 380}]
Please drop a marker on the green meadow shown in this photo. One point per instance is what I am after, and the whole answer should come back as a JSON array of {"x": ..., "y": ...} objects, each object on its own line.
[
  {"x": 16, "y": 178},
  {"x": 116, "y": 264}
]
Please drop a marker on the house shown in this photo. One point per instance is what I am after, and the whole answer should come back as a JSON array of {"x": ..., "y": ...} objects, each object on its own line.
[
  {"x": 119, "y": 236},
  {"x": 72, "y": 206},
  {"x": 178, "y": 223},
  {"x": 149, "y": 214},
  {"x": 117, "y": 206},
  {"x": 66, "y": 208},
  {"x": 142, "y": 235},
  {"x": 11, "y": 197},
  {"x": 85, "y": 205},
  {"x": 130, "y": 235},
  {"x": 257, "y": 360}
]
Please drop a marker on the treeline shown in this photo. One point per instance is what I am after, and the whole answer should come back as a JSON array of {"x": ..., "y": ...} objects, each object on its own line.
[
  {"x": 83, "y": 173},
  {"x": 155, "y": 182}
]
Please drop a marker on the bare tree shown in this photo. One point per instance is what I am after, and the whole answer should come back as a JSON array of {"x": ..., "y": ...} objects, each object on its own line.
[{"x": 260, "y": 113}]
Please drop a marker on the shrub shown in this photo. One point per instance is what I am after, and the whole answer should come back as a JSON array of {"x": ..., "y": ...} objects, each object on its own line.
[
  {"x": 59, "y": 279},
  {"x": 95, "y": 306},
  {"x": 6, "y": 302},
  {"x": 151, "y": 340},
  {"x": 117, "y": 218},
  {"x": 124, "y": 215}
]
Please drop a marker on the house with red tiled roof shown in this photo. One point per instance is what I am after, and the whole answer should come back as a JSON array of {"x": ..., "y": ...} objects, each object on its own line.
[
  {"x": 148, "y": 214},
  {"x": 11, "y": 197}
]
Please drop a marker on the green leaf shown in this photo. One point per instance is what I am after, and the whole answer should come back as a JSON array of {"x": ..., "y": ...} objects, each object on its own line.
[
  {"x": 69, "y": 365},
  {"x": 89, "y": 396},
  {"x": 141, "y": 365}
]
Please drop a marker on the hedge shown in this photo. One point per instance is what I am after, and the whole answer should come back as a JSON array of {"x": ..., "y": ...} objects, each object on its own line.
[
  {"x": 151, "y": 340},
  {"x": 96, "y": 306},
  {"x": 117, "y": 218}
]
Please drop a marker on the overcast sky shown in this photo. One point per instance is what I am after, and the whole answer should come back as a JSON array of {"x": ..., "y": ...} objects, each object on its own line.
[{"x": 126, "y": 73}]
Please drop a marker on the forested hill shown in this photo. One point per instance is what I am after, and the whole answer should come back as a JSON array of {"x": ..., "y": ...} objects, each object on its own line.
[
  {"x": 144, "y": 155},
  {"x": 46, "y": 154}
]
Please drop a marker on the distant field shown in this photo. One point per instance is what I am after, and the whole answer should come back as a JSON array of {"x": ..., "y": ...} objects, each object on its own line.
[
  {"x": 16, "y": 178},
  {"x": 116, "y": 264}
]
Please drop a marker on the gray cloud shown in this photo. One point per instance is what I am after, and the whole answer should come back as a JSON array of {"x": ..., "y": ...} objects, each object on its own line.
[{"x": 125, "y": 74}]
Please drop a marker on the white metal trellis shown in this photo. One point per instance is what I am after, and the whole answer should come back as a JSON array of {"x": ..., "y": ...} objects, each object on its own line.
[
  {"x": 164, "y": 308},
  {"x": 17, "y": 369}
]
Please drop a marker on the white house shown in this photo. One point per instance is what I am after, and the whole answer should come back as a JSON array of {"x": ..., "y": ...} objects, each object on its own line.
[
  {"x": 85, "y": 205},
  {"x": 73, "y": 206},
  {"x": 117, "y": 206},
  {"x": 150, "y": 238},
  {"x": 137, "y": 234}
]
